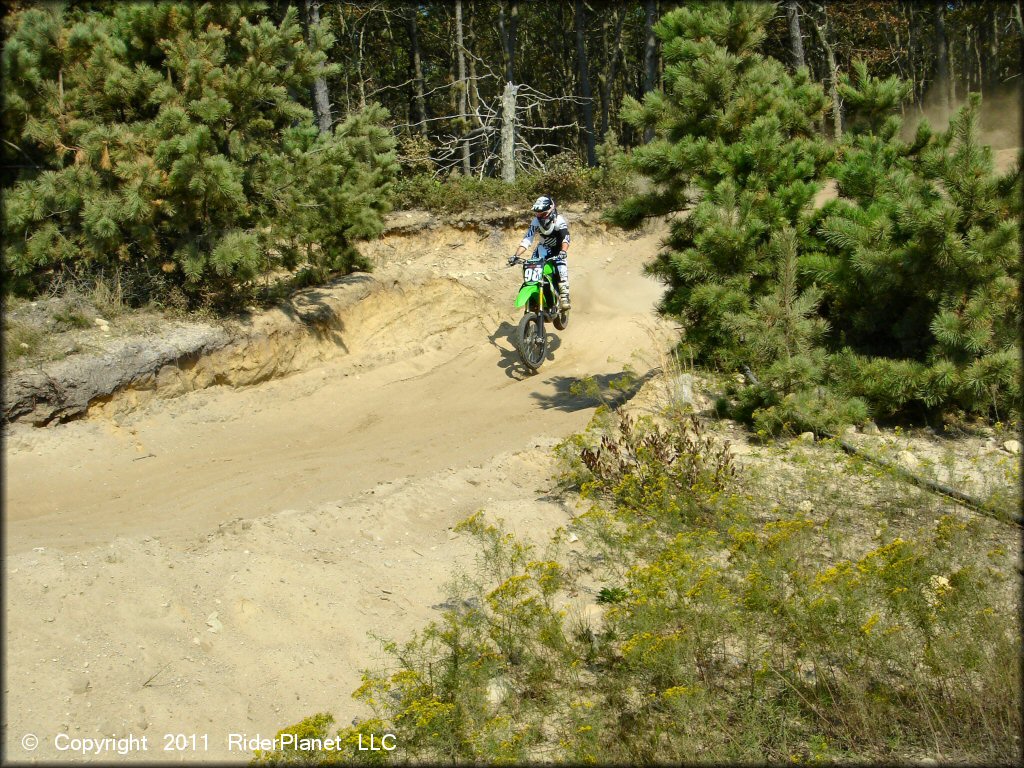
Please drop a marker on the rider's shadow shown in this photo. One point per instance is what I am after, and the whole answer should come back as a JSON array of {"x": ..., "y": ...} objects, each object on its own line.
[{"x": 504, "y": 340}]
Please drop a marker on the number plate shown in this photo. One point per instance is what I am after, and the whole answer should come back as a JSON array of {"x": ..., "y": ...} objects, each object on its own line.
[{"x": 532, "y": 274}]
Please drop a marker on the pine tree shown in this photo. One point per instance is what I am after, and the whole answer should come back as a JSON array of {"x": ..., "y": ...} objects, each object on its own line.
[
  {"x": 912, "y": 270},
  {"x": 782, "y": 329},
  {"x": 736, "y": 147},
  {"x": 163, "y": 142},
  {"x": 921, "y": 268},
  {"x": 338, "y": 193}
]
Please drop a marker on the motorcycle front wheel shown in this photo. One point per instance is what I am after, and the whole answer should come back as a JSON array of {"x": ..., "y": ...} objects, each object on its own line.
[{"x": 531, "y": 341}]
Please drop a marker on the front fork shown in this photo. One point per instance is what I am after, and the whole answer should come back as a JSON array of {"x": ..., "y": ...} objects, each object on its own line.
[{"x": 548, "y": 285}]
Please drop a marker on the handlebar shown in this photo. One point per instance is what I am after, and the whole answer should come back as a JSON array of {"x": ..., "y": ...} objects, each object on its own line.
[{"x": 518, "y": 260}]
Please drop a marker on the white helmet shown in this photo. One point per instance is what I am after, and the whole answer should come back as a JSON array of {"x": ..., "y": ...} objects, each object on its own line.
[{"x": 544, "y": 210}]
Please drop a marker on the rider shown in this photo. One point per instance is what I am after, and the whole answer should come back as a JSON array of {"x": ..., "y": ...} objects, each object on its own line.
[{"x": 554, "y": 244}]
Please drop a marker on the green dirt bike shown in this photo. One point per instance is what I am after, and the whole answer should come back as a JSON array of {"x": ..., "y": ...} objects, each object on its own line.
[{"x": 540, "y": 297}]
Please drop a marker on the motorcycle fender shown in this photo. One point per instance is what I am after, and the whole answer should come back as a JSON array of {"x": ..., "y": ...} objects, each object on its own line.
[{"x": 524, "y": 294}]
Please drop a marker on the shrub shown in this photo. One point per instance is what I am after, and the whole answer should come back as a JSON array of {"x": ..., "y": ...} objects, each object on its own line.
[
  {"x": 189, "y": 157},
  {"x": 724, "y": 637},
  {"x": 414, "y": 155},
  {"x": 564, "y": 178}
]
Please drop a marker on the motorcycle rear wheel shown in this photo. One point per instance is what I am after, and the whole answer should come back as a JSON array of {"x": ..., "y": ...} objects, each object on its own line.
[{"x": 531, "y": 341}]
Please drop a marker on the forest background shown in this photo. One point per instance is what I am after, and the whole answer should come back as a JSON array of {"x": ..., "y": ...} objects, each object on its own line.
[
  {"x": 219, "y": 155},
  {"x": 189, "y": 156}
]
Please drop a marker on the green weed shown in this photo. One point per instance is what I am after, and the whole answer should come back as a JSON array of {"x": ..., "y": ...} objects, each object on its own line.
[{"x": 735, "y": 623}]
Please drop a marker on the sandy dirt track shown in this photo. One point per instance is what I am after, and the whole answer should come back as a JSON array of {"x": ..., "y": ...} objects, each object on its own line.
[{"x": 213, "y": 563}]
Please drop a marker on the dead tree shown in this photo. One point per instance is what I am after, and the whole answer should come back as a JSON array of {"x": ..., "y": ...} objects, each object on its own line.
[
  {"x": 321, "y": 97},
  {"x": 942, "y": 78},
  {"x": 416, "y": 61},
  {"x": 588, "y": 102},
  {"x": 822, "y": 32},
  {"x": 462, "y": 86},
  {"x": 508, "y": 133},
  {"x": 796, "y": 43}
]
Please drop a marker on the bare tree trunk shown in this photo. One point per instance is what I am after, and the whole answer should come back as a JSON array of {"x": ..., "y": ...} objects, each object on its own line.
[
  {"x": 917, "y": 53},
  {"x": 463, "y": 87},
  {"x": 474, "y": 93},
  {"x": 321, "y": 97},
  {"x": 992, "y": 54},
  {"x": 588, "y": 103},
  {"x": 344, "y": 33},
  {"x": 650, "y": 46},
  {"x": 953, "y": 62},
  {"x": 833, "y": 72},
  {"x": 508, "y": 133},
  {"x": 568, "y": 74},
  {"x": 650, "y": 54},
  {"x": 508, "y": 25},
  {"x": 419, "y": 99},
  {"x": 912, "y": 47},
  {"x": 620, "y": 86},
  {"x": 602, "y": 73},
  {"x": 359, "y": 69},
  {"x": 1017, "y": 17},
  {"x": 960, "y": 66},
  {"x": 942, "y": 75},
  {"x": 607, "y": 76},
  {"x": 796, "y": 43},
  {"x": 478, "y": 153},
  {"x": 979, "y": 73}
]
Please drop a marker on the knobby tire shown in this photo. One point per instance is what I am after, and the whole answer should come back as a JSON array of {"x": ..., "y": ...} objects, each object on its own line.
[{"x": 532, "y": 341}]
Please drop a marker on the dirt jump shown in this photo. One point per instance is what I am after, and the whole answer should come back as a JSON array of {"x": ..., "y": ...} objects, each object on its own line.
[{"x": 193, "y": 568}]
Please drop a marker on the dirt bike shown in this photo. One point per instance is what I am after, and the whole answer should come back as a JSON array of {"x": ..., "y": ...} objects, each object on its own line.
[{"x": 540, "y": 297}]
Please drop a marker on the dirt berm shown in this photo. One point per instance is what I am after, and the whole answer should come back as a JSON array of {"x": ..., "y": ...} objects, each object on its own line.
[
  {"x": 187, "y": 356},
  {"x": 407, "y": 368}
]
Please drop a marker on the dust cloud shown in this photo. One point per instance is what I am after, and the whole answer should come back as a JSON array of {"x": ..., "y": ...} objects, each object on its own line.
[{"x": 1000, "y": 118}]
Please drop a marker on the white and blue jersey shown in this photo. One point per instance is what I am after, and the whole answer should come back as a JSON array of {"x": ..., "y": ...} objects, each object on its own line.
[{"x": 551, "y": 244}]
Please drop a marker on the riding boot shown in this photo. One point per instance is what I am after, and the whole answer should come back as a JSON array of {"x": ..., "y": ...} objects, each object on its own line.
[{"x": 563, "y": 284}]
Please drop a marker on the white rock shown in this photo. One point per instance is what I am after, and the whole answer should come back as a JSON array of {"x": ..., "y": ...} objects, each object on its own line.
[
  {"x": 908, "y": 459},
  {"x": 496, "y": 691},
  {"x": 592, "y": 616},
  {"x": 806, "y": 506},
  {"x": 806, "y": 437},
  {"x": 214, "y": 623},
  {"x": 1013, "y": 446},
  {"x": 871, "y": 428},
  {"x": 850, "y": 430}
]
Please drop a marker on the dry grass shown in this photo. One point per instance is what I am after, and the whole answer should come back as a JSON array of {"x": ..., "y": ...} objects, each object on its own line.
[
  {"x": 73, "y": 318},
  {"x": 812, "y": 608}
]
